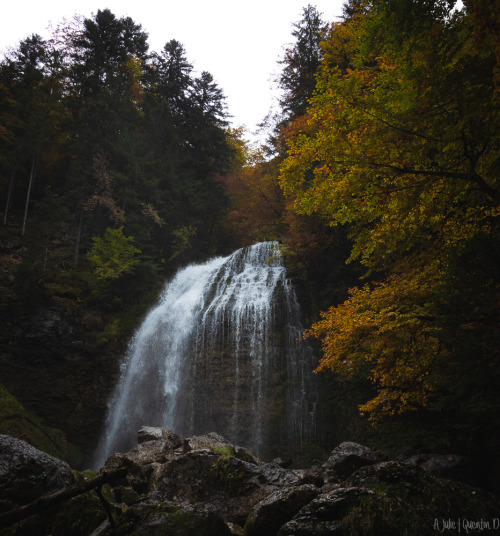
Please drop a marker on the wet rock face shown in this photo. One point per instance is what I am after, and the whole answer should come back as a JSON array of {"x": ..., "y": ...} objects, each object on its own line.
[
  {"x": 150, "y": 433},
  {"x": 348, "y": 457},
  {"x": 276, "y": 509},
  {"x": 324, "y": 514},
  {"x": 50, "y": 356},
  {"x": 26, "y": 473},
  {"x": 207, "y": 486}
]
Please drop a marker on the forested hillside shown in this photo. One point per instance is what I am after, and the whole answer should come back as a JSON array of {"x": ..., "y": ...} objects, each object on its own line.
[
  {"x": 380, "y": 178},
  {"x": 109, "y": 162}
]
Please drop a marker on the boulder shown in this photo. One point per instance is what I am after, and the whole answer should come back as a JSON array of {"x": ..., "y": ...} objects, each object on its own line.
[
  {"x": 143, "y": 462},
  {"x": 324, "y": 514},
  {"x": 348, "y": 457},
  {"x": 155, "y": 451},
  {"x": 218, "y": 444},
  {"x": 27, "y": 473},
  {"x": 221, "y": 483},
  {"x": 451, "y": 466},
  {"x": 209, "y": 441},
  {"x": 275, "y": 510},
  {"x": 390, "y": 472},
  {"x": 151, "y": 433}
]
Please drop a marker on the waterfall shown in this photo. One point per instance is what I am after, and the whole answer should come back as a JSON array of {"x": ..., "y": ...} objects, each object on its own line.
[{"x": 220, "y": 352}]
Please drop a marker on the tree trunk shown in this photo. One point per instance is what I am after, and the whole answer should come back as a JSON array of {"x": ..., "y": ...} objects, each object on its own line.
[
  {"x": 32, "y": 177},
  {"x": 41, "y": 504},
  {"x": 78, "y": 238},
  {"x": 9, "y": 197}
]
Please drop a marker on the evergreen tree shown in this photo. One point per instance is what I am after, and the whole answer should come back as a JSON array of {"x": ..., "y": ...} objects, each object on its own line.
[
  {"x": 300, "y": 64},
  {"x": 31, "y": 78},
  {"x": 169, "y": 77}
]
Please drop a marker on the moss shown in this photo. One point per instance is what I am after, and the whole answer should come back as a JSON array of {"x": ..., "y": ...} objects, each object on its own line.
[
  {"x": 414, "y": 508},
  {"x": 162, "y": 519},
  {"x": 79, "y": 516},
  {"x": 225, "y": 452},
  {"x": 17, "y": 422},
  {"x": 229, "y": 476},
  {"x": 126, "y": 495}
]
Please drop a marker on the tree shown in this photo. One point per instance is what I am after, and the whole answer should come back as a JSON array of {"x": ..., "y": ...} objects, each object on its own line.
[
  {"x": 105, "y": 95},
  {"x": 101, "y": 52},
  {"x": 205, "y": 128},
  {"x": 255, "y": 200},
  {"x": 106, "y": 68},
  {"x": 300, "y": 63},
  {"x": 169, "y": 77},
  {"x": 31, "y": 78},
  {"x": 398, "y": 143},
  {"x": 405, "y": 153},
  {"x": 113, "y": 255},
  {"x": 385, "y": 332}
]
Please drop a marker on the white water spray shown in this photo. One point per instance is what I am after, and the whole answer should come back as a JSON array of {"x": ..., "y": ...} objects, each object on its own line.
[{"x": 220, "y": 352}]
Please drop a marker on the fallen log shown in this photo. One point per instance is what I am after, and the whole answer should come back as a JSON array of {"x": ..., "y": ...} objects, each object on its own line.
[{"x": 22, "y": 512}]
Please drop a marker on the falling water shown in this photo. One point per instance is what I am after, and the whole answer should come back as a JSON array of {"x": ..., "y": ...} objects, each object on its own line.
[{"x": 220, "y": 352}]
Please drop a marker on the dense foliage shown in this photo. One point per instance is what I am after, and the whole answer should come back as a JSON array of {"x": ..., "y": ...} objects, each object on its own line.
[
  {"x": 98, "y": 134},
  {"x": 400, "y": 148}
]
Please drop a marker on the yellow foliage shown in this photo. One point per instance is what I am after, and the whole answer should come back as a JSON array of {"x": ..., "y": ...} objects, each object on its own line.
[
  {"x": 400, "y": 145},
  {"x": 135, "y": 71},
  {"x": 385, "y": 332}
]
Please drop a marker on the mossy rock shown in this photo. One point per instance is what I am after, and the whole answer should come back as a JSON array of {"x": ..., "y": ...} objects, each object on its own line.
[
  {"x": 230, "y": 476},
  {"x": 225, "y": 452},
  {"x": 18, "y": 422},
  {"x": 79, "y": 516},
  {"x": 404, "y": 500},
  {"x": 162, "y": 519}
]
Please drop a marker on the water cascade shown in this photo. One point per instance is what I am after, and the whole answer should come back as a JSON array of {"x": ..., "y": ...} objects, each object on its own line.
[{"x": 220, "y": 352}]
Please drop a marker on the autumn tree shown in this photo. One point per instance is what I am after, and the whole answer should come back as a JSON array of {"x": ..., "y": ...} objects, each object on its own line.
[
  {"x": 255, "y": 208},
  {"x": 403, "y": 152}
]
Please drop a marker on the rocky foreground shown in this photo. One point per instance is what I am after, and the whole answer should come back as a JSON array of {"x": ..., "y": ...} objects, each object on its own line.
[{"x": 205, "y": 486}]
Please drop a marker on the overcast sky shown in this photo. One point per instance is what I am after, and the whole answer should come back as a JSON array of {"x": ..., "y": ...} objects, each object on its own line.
[{"x": 239, "y": 43}]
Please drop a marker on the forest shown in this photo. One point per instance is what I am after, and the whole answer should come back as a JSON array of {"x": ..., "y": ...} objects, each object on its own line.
[{"x": 379, "y": 178}]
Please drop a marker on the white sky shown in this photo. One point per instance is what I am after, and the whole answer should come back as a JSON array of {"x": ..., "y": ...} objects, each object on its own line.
[{"x": 239, "y": 43}]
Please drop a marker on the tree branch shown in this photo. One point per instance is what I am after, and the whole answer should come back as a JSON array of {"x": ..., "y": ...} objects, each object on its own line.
[
  {"x": 42, "y": 503},
  {"x": 471, "y": 177}
]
